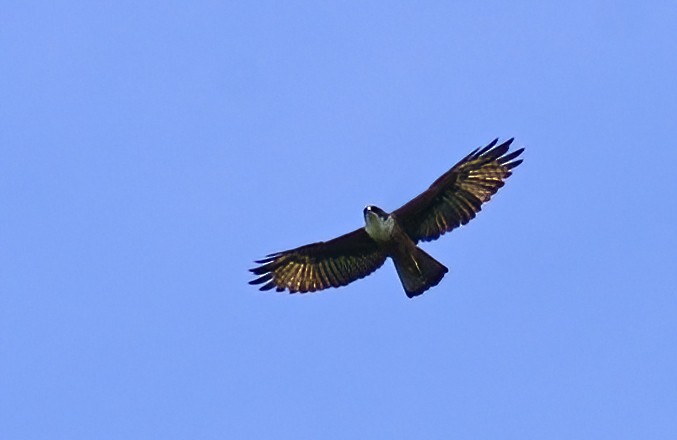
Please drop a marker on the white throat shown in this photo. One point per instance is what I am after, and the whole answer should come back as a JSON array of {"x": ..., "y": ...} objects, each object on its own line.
[{"x": 379, "y": 229}]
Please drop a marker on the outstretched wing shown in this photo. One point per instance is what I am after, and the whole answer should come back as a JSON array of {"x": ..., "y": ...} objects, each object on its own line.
[
  {"x": 320, "y": 265},
  {"x": 457, "y": 196}
]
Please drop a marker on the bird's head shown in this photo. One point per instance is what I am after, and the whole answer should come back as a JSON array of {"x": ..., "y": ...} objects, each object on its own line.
[
  {"x": 378, "y": 223},
  {"x": 374, "y": 211}
]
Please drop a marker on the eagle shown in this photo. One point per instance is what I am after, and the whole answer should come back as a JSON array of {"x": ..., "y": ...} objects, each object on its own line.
[{"x": 451, "y": 201}]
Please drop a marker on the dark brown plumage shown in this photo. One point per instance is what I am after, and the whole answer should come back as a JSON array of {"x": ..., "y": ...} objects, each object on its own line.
[
  {"x": 320, "y": 265},
  {"x": 457, "y": 196},
  {"x": 452, "y": 200}
]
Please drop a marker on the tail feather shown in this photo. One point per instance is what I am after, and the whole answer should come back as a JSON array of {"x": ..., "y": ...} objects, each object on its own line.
[{"x": 418, "y": 272}]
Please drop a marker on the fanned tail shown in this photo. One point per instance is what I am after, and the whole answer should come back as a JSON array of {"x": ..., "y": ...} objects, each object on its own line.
[{"x": 418, "y": 271}]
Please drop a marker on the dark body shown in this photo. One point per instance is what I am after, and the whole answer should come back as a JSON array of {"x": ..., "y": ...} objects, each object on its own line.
[{"x": 451, "y": 201}]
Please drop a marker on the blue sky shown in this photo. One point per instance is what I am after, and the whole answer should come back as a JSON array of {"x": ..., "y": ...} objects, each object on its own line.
[{"x": 152, "y": 150}]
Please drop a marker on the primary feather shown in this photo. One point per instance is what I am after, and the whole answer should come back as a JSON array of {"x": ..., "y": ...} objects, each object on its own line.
[{"x": 457, "y": 196}]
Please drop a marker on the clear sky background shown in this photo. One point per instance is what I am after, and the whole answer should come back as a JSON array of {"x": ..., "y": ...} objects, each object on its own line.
[{"x": 152, "y": 150}]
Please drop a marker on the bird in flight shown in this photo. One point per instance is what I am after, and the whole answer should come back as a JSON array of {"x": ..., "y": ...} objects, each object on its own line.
[{"x": 452, "y": 200}]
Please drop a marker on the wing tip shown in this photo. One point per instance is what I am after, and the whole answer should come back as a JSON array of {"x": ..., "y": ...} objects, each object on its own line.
[
  {"x": 262, "y": 279},
  {"x": 514, "y": 164},
  {"x": 483, "y": 150}
]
